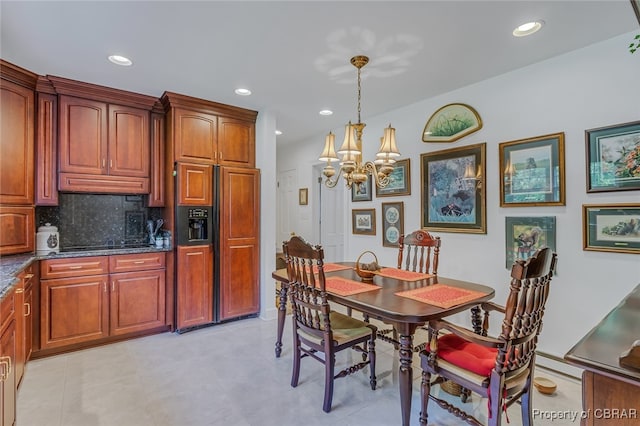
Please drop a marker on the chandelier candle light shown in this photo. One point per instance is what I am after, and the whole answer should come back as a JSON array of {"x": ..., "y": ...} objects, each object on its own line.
[{"x": 354, "y": 171}]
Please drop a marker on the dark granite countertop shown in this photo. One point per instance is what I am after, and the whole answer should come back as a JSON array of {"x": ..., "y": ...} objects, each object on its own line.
[{"x": 10, "y": 266}]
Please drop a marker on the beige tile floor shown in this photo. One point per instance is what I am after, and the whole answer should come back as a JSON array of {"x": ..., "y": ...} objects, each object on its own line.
[{"x": 228, "y": 375}]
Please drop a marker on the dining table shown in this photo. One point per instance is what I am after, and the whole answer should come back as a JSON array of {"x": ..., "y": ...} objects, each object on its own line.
[{"x": 403, "y": 299}]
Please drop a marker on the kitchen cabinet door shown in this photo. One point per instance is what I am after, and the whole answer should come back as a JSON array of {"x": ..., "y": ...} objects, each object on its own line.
[
  {"x": 16, "y": 144},
  {"x": 236, "y": 143},
  {"x": 17, "y": 225},
  {"x": 194, "y": 284},
  {"x": 83, "y": 145},
  {"x": 47, "y": 150},
  {"x": 195, "y": 184},
  {"x": 194, "y": 136},
  {"x": 239, "y": 242},
  {"x": 129, "y": 147},
  {"x": 73, "y": 310},
  {"x": 137, "y": 301},
  {"x": 7, "y": 360}
]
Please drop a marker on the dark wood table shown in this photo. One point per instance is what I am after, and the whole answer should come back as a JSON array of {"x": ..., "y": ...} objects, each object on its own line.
[
  {"x": 606, "y": 385},
  {"x": 405, "y": 314}
]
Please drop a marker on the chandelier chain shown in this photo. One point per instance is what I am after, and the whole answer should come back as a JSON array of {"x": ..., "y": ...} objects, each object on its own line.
[{"x": 359, "y": 91}]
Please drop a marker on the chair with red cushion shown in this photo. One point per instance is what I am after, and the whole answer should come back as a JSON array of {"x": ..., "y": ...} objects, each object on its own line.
[
  {"x": 500, "y": 368},
  {"x": 318, "y": 330}
]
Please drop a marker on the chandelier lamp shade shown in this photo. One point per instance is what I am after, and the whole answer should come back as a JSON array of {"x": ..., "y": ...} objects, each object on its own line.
[{"x": 352, "y": 169}]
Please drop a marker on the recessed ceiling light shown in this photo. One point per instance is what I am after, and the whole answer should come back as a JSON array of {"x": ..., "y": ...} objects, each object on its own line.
[
  {"x": 243, "y": 92},
  {"x": 278, "y": 132},
  {"x": 528, "y": 28},
  {"x": 120, "y": 60},
  {"x": 326, "y": 112}
]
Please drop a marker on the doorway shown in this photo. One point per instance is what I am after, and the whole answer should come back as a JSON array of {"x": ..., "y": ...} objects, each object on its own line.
[{"x": 328, "y": 216}]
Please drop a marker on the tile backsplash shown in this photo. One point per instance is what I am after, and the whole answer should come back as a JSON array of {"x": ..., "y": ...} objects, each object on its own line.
[{"x": 94, "y": 220}]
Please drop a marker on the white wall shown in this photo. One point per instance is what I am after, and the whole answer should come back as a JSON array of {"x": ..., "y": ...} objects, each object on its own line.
[{"x": 588, "y": 88}]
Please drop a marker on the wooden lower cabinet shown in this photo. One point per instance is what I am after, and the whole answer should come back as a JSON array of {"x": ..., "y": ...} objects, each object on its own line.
[
  {"x": 7, "y": 360},
  {"x": 74, "y": 310},
  {"x": 194, "y": 286},
  {"x": 137, "y": 301},
  {"x": 78, "y": 310}
]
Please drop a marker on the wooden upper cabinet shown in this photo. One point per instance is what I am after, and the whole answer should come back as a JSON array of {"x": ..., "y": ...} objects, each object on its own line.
[
  {"x": 195, "y": 136},
  {"x": 83, "y": 136},
  {"x": 195, "y": 183},
  {"x": 129, "y": 144},
  {"x": 201, "y": 131},
  {"x": 16, "y": 144},
  {"x": 236, "y": 143},
  {"x": 47, "y": 150},
  {"x": 103, "y": 139}
]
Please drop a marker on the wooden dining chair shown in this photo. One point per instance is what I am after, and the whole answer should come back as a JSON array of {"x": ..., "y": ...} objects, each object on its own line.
[
  {"x": 500, "y": 368},
  {"x": 316, "y": 327},
  {"x": 418, "y": 251}
]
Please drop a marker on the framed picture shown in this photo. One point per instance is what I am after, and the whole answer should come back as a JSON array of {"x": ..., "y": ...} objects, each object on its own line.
[
  {"x": 362, "y": 192},
  {"x": 613, "y": 157},
  {"x": 399, "y": 180},
  {"x": 532, "y": 171},
  {"x": 450, "y": 123},
  {"x": 392, "y": 223},
  {"x": 525, "y": 235},
  {"x": 364, "y": 221},
  {"x": 303, "y": 196},
  {"x": 614, "y": 227},
  {"x": 452, "y": 193}
]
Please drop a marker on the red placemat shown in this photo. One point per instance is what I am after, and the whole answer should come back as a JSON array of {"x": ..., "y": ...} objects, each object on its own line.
[
  {"x": 441, "y": 295},
  {"x": 345, "y": 287},
  {"x": 330, "y": 267},
  {"x": 403, "y": 275}
]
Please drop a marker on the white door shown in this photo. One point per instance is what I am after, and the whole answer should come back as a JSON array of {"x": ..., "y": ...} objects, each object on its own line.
[
  {"x": 287, "y": 203},
  {"x": 328, "y": 217}
]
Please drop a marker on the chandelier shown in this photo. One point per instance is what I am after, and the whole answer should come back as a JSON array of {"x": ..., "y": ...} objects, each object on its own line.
[{"x": 354, "y": 171}]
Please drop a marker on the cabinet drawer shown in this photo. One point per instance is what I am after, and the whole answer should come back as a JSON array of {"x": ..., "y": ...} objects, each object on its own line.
[
  {"x": 136, "y": 262},
  {"x": 74, "y": 267}
]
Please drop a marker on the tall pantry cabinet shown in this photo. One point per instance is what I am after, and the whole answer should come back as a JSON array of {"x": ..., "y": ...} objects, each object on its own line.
[
  {"x": 17, "y": 111},
  {"x": 202, "y": 136}
]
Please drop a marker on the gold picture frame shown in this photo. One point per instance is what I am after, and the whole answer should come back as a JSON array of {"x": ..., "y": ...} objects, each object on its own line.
[
  {"x": 303, "y": 196},
  {"x": 451, "y": 122},
  {"x": 532, "y": 171}
]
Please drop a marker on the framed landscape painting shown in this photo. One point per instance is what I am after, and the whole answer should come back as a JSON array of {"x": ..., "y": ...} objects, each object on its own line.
[
  {"x": 452, "y": 193},
  {"x": 525, "y": 235},
  {"x": 450, "y": 123},
  {"x": 614, "y": 227},
  {"x": 399, "y": 180},
  {"x": 532, "y": 171},
  {"x": 613, "y": 158}
]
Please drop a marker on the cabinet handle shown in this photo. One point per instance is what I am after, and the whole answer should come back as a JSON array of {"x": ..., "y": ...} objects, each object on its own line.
[
  {"x": 113, "y": 286},
  {"x": 220, "y": 155},
  {"x": 104, "y": 163},
  {"x": 75, "y": 267},
  {"x": 28, "y": 305},
  {"x": 111, "y": 164},
  {"x": 138, "y": 262},
  {"x": 19, "y": 290},
  {"x": 5, "y": 363},
  {"x": 27, "y": 277},
  {"x": 215, "y": 155},
  {"x": 105, "y": 287}
]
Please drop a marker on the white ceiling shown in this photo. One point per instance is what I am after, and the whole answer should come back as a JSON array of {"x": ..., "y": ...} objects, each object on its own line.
[{"x": 294, "y": 55}]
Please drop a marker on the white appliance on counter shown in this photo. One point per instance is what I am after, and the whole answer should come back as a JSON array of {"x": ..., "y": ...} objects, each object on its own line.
[{"x": 47, "y": 239}]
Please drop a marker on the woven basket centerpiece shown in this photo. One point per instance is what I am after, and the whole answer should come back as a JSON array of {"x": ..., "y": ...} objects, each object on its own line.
[{"x": 366, "y": 271}]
